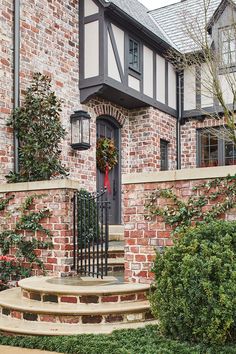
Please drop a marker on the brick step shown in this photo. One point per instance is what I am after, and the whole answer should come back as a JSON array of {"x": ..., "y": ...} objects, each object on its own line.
[
  {"x": 13, "y": 326},
  {"x": 39, "y": 288}
]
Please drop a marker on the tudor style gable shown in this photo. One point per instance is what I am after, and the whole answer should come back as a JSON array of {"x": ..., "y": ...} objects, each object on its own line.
[{"x": 122, "y": 60}]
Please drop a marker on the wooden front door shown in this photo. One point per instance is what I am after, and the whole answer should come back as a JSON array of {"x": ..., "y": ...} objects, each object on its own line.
[{"x": 108, "y": 128}]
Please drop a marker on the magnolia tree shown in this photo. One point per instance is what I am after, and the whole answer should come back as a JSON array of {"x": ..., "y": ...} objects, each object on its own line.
[
  {"x": 213, "y": 57},
  {"x": 40, "y": 133}
]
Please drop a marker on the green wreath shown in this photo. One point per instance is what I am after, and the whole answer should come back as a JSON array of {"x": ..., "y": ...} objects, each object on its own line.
[{"x": 106, "y": 153}]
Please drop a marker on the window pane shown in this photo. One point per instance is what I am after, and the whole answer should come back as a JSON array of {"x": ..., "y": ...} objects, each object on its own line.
[
  {"x": 209, "y": 150},
  {"x": 133, "y": 54},
  {"x": 164, "y": 155},
  {"x": 230, "y": 154}
]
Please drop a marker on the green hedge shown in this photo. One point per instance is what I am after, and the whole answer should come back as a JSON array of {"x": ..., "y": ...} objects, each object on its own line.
[
  {"x": 140, "y": 341},
  {"x": 195, "y": 296}
]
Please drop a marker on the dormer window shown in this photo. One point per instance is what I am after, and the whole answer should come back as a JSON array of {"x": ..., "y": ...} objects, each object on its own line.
[
  {"x": 228, "y": 46},
  {"x": 134, "y": 56}
]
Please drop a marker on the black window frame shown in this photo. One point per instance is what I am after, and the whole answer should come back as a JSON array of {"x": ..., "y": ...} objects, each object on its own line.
[
  {"x": 221, "y": 154},
  {"x": 164, "y": 144},
  {"x": 131, "y": 65}
]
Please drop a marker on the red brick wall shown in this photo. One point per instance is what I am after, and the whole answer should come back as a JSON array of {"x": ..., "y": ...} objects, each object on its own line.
[
  {"x": 50, "y": 45},
  {"x": 143, "y": 237},
  {"x": 146, "y": 127},
  {"x": 59, "y": 259}
]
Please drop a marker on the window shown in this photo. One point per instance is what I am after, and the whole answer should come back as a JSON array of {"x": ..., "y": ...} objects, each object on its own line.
[
  {"x": 213, "y": 150},
  {"x": 228, "y": 46},
  {"x": 134, "y": 55},
  {"x": 164, "y": 155}
]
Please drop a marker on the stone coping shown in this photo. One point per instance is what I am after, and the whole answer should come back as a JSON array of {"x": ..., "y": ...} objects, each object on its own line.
[
  {"x": 41, "y": 284},
  {"x": 179, "y": 175},
  {"x": 39, "y": 185}
]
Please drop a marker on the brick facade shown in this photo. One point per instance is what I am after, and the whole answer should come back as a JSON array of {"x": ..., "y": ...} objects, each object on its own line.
[
  {"x": 142, "y": 237},
  {"x": 50, "y": 44}
]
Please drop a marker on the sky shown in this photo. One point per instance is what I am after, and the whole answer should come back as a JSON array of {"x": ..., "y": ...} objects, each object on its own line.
[{"x": 154, "y": 4}]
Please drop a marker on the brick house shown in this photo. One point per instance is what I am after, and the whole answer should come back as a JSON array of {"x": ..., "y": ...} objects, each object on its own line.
[{"x": 108, "y": 58}]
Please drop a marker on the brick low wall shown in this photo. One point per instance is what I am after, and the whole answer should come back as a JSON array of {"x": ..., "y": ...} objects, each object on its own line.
[
  {"x": 56, "y": 196},
  {"x": 142, "y": 237}
]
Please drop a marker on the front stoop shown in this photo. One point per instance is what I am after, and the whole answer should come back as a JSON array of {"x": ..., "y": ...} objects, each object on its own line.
[{"x": 44, "y": 308}]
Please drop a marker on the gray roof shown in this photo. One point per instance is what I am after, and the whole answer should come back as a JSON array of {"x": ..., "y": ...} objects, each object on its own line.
[
  {"x": 140, "y": 13},
  {"x": 175, "y": 18}
]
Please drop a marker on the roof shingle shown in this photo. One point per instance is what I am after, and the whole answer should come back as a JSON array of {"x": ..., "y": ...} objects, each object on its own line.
[
  {"x": 174, "y": 20},
  {"x": 140, "y": 13}
]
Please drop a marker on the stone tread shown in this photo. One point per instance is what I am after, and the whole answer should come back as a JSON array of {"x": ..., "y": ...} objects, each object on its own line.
[
  {"x": 12, "y": 299},
  {"x": 40, "y": 284},
  {"x": 10, "y": 325}
]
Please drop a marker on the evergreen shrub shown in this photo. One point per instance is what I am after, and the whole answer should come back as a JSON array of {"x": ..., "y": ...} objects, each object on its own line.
[{"x": 195, "y": 286}]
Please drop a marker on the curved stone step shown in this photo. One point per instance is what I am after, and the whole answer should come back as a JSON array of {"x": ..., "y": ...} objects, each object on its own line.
[
  {"x": 12, "y": 304},
  {"x": 10, "y": 325},
  {"x": 37, "y": 287},
  {"x": 11, "y": 299}
]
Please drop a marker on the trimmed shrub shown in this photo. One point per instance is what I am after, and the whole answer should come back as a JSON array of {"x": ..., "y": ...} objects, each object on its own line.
[{"x": 195, "y": 294}]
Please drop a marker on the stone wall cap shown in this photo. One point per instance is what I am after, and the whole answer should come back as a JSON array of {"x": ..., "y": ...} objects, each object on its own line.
[
  {"x": 39, "y": 185},
  {"x": 179, "y": 175}
]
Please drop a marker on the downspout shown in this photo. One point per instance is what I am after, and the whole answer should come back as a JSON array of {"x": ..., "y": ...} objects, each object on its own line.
[
  {"x": 178, "y": 121},
  {"x": 16, "y": 77}
]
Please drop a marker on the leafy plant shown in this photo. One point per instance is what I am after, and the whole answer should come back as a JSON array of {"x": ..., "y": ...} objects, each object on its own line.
[
  {"x": 38, "y": 126},
  {"x": 22, "y": 239},
  {"x": 11, "y": 270},
  {"x": 147, "y": 340},
  {"x": 195, "y": 286},
  {"x": 208, "y": 201}
]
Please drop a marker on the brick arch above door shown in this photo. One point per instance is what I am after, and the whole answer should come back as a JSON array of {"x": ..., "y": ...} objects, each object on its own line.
[{"x": 106, "y": 108}]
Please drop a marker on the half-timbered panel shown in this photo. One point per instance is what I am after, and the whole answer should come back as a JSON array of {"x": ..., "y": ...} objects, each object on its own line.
[
  {"x": 90, "y": 8},
  {"x": 119, "y": 37},
  {"x": 134, "y": 83},
  {"x": 225, "y": 82},
  {"x": 113, "y": 71},
  {"x": 171, "y": 86},
  {"x": 160, "y": 79},
  {"x": 189, "y": 89},
  {"x": 122, "y": 62},
  {"x": 91, "y": 49},
  {"x": 147, "y": 71},
  {"x": 206, "y": 87}
]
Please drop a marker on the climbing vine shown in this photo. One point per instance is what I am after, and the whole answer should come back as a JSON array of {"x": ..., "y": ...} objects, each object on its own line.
[
  {"x": 4, "y": 202},
  {"x": 21, "y": 241},
  {"x": 207, "y": 202}
]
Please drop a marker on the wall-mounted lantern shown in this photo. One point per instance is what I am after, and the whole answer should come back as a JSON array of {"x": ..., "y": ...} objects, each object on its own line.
[{"x": 80, "y": 130}]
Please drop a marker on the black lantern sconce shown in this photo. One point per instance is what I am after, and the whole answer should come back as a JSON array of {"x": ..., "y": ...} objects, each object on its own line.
[{"x": 80, "y": 130}]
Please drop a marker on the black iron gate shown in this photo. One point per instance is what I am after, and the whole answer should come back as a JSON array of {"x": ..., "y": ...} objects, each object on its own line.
[{"x": 91, "y": 233}]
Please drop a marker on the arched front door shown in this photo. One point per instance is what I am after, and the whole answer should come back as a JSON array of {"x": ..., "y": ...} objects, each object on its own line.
[{"x": 107, "y": 127}]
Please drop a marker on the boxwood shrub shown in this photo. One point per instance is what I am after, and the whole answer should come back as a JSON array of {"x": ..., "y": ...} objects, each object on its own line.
[{"x": 195, "y": 286}]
